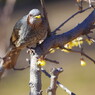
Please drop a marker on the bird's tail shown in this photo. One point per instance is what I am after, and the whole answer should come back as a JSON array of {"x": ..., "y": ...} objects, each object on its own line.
[
  {"x": 9, "y": 61},
  {"x": 10, "y": 58}
]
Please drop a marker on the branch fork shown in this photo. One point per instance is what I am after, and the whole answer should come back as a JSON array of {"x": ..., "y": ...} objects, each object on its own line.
[{"x": 54, "y": 76}]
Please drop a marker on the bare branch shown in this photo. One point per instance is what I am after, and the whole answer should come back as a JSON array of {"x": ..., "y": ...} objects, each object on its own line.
[
  {"x": 60, "y": 40},
  {"x": 53, "y": 61},
  {"x": 54, "y": 41},
  {"x": 45, "y": 15},
  {"x": 20, "y": 69},
  {"x": 58, "y": 83},
  {"x": 35, "y": 76},
  {"x": 58, "y": 28},
  {"x": 82, "y": 53},
  {"x": 54, "y": 76}
]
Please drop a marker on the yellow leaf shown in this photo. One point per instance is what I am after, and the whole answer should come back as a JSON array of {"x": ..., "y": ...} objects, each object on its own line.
[
  {"x": 76, "y": 42},
  {"x": 68, "y": 45},
  {"x": 89, "y": 41},
  {"x": 83, "y": 63},
  {"x": 57, "y": 48},
  {"x": 65, "y": 50},
  {"x": 52, "y": 50},
  {"x": 41, "y": 62}
]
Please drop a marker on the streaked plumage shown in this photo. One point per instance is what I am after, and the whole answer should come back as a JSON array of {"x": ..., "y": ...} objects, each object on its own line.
[{"x": 28, "y": 31}]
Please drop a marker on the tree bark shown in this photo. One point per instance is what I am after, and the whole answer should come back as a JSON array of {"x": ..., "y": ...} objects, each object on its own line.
[
  {"x": 35, "y": 76},
  {"x": 54, "y": 76}
]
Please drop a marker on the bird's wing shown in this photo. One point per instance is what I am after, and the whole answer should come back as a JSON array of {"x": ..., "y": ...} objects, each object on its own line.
[{"x": 16, "y": 29}]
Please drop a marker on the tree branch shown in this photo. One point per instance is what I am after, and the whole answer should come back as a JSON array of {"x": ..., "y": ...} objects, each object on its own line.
[
  {"x": 58, "y": 83},
  {"x": 52, "y": 41},
  {"x": 58, "y": 28},
  {"x": 52, "y": 61},
  {"x": 60, "y": 40},
  {"x": 35, "y": 75},
  {"x": 48, "y": 75},
  {"x": 20, "y": 69},
  {"x": 54, "y": 76},
  {"x": 45, "y": 15},
  {"x": 82, "y": 53}
]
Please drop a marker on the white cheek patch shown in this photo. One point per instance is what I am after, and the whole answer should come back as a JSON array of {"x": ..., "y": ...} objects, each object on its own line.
[{"x": 31, "y": 20}]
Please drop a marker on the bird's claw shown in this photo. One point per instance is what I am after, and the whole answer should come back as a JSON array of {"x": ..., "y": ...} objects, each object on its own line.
[{"x": 31, "y": 51}]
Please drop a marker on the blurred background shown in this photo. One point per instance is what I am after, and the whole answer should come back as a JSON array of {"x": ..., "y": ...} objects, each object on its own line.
[{"x": 80, "y": 80}]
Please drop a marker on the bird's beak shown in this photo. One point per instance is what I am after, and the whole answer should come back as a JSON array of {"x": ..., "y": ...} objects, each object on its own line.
[{"x": 39, "y": 16}]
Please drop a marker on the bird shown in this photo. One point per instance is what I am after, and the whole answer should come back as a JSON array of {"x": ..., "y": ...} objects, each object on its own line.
[
  {"x": 30, "y": 30},
  {"x": 80, "y": 2}
]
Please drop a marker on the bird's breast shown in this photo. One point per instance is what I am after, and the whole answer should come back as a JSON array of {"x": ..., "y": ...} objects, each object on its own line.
[{"x": 31, "y": 35}]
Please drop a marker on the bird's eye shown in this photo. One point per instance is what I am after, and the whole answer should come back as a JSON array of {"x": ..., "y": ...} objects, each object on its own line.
[{"x": 30, "y": 15}]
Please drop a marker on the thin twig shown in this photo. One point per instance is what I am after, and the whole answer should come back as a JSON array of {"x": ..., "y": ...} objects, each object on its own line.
[
  {"x": 53, "y": 61},
  {"x": 58, "y": 28},
  {"x": 58, "y": 83},
  {"x": 81, "y": 52},
  {"x": 20, "y": 69},
  {"x": 80, "y": 4},
  {"x": 45, "y": 15}
]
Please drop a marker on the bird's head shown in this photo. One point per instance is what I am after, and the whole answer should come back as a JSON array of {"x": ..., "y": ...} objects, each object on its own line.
[{"x": 34, "y": 17}]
